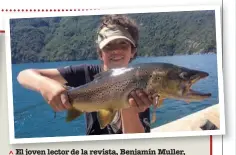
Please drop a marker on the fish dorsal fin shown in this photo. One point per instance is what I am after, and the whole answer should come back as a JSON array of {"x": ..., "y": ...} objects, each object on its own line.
[
  {"x": 110, "y": 72},
  {"x": 99, "y": 75},
  {"x": 103, "y": 74},
  {"x": 113, "y": 72}
]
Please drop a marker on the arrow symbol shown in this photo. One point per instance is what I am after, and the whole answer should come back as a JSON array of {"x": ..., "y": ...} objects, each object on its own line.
[{"x": 11, "y": 152}]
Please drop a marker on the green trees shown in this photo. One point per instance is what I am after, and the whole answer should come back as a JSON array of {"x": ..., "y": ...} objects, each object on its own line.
[{"x": 73, "y": 38}]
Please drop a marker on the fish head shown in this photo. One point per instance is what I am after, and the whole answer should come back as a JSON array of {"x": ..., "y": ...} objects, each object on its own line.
[{"x": 176, "y": 82}]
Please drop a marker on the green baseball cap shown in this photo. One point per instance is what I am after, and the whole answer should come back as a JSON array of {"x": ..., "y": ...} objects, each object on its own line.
[{"x": 112, "y": 32}]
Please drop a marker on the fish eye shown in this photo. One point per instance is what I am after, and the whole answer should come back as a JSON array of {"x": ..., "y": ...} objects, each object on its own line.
[{"x": 157, "y": 78}]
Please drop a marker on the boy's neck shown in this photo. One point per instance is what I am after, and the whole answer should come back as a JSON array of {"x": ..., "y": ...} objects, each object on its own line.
[{"x": 105, "y": 67}]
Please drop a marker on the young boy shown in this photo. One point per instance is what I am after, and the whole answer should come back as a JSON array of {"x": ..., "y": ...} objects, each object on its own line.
[{"x": 116, "y": 46}]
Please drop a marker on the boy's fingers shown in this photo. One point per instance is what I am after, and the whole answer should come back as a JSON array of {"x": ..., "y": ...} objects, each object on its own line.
[
  {"x": 137, "y": 100},
  {"x": 65, "y": 101},
  {"x": 54, "y": 107},
  {"x": 144, "y": 98},
  {"x": 51, "y": 103},
  {"x": 132, "y": 102},
  {"x": 59, "y": 104}
]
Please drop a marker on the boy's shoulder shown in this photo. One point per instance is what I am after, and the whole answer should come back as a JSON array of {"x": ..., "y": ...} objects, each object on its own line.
[
  {"x": 79, "y": 74},
  {"x": 87, "y": 66},
  {"x": 81, "y": 67}
]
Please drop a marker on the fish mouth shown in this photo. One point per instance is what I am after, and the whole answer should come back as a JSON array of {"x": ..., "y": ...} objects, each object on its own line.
[
  {"x": 198, "y": 94},
  {"x": 193, "y": 94}
]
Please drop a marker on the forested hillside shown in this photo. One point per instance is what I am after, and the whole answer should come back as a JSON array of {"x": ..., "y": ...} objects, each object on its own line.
[{"x": 73, "y": 38}]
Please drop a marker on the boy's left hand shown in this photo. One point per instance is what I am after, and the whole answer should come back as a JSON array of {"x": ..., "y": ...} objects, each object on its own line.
[{"x": 139, "y": 100}]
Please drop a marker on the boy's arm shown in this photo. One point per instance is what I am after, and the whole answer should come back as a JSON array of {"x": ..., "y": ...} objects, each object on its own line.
[
  {"x": 49, "y": 83},
  {"x": 130, "y": 117}
]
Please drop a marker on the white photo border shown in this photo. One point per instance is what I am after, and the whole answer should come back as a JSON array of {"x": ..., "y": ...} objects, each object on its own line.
[{"x": 128, "y": 10}]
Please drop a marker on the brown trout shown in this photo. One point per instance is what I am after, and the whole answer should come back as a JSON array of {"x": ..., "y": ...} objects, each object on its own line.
[{"x": 109, "y": 90}]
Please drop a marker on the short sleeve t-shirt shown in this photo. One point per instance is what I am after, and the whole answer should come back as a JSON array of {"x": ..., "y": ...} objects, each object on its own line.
[{"x": 77, "y": 75}]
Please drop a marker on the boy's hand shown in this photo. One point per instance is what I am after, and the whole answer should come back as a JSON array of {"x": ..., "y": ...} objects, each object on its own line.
[
  {"x": 54, "y": 93},
  {"x": 139, "y": 100}
]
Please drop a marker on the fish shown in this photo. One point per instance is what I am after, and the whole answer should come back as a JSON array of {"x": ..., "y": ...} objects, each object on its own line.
[{"x": 109, "y": 91}]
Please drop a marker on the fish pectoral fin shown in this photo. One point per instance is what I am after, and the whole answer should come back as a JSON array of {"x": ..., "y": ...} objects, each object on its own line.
[
  {"x": 155, "y": 103},
  {"x": 154, "y": 116},
  {"x": 105, "y": 117},
  {"x": 73, "y": 114},
  {"x": 159, "y": 103}
]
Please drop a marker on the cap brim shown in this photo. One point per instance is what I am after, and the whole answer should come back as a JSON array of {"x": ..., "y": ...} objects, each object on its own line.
[{"x": 109, "y": 39}]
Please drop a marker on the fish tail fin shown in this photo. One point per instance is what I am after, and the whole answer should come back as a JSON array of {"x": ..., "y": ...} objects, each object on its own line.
[{"x": 73, "y": 114}]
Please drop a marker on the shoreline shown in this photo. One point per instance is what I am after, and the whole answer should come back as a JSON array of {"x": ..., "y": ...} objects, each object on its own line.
[{"x": 138, "y": 57}]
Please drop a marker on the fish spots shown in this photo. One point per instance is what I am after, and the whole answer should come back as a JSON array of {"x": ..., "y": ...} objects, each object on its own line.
[
  {"x": 119, "y": 90},
  {"x": 138, "y": 84},
  {"x": 137, "y": 73}
]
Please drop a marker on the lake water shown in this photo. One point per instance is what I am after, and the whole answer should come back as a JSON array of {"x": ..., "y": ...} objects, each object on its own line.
[{"x": 34, "y": 118}]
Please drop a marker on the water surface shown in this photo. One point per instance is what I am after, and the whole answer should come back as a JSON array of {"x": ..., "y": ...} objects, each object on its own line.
[{"x": 34, "y": 118}]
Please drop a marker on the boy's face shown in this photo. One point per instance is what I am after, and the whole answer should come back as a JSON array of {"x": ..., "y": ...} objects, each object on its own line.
[{"x": 117, "y": 53}]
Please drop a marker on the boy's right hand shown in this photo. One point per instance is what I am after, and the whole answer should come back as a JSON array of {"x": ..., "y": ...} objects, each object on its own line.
[{"x": 55, "y": 95}]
